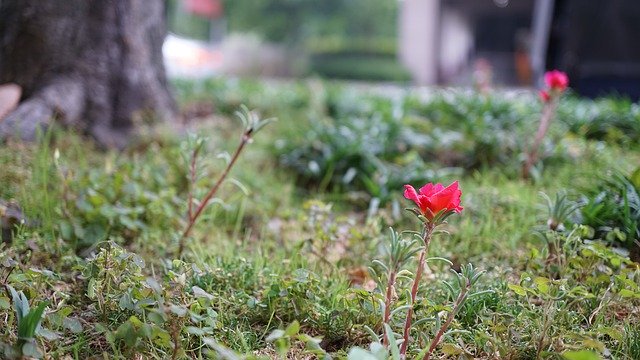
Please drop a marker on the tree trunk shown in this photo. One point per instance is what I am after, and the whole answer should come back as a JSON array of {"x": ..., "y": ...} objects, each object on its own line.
[{"x": 91, "y": 64}]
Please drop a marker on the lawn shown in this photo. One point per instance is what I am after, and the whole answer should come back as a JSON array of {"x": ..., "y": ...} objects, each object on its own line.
[{"x": 291, "y": 257}]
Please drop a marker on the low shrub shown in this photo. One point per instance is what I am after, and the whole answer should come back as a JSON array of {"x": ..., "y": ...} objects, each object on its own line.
[
  {"x": 614, "y": 120},
  {"x": 612, "y": 209},
  {"x": 359, "y": 67}
]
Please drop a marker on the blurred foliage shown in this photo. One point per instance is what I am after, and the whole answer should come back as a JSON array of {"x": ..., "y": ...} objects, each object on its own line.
[
  {"x": 369, "y": 59},
  {"x": 470, "y": 130},
  {"x": 358, "y": 144},
  {"x": 340, "y": 139},
  {"x": 358, "y": 67},
  {"x": 612, "y": 208},
  {"x": 185, "y": 24},
  {"x": 294, "y": 21},
  {"x": 612, "y": 119},
  {"x": 352, "y": 39},
  {"x": 340, "y": 45},
  {"x": 376, "y": 143},
  {"x": 128, "y": 197}
]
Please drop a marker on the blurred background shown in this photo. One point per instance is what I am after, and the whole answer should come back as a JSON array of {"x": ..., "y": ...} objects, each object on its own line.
[{"x": 504, "y": 43}]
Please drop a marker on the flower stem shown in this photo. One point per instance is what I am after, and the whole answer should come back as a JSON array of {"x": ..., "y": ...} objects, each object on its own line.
[
  {"x": 387, "y": 304},
  {"x": 459, "y": 301},
  {"x": 545, "y": 120},
  {"x": 246, "y": 137},
  {"x": 428, "y": 230}
]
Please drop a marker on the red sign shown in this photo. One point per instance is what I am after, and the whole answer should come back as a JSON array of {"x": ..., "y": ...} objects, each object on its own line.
[{"x": 206, "y": 8}]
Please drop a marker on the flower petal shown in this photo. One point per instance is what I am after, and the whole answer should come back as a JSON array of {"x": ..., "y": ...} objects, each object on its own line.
[
  {"x": 411, "y": 194},
  {"x": 447, "y": 199},
  {"x": 430, "y": 189}
]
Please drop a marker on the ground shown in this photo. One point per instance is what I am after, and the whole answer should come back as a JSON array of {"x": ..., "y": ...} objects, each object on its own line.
[{"x": 289, "y": 241}]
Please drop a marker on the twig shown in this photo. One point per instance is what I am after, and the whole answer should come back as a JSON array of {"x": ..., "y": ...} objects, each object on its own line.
[{"x": 246, "y": 138}]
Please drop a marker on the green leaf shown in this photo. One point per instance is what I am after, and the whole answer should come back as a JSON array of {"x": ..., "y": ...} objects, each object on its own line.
[
  {"x": 4, "y": 303},
  {"x": 179, "y": 311},
  {"x": 593, "y": 344},
  {"x": 626, "y": 293},
  {"x": 30, "y": 349},
  {"x": 393, "y": 345},
  {"x": 451, "y": 349},
  {"x": 66, "y": 230},
  {"x": 292, "y": 329},
  {"x": 195, "y": 331},
  {"x": 580, "y": 355},
  {"x": 72, "y": 324},
  {"x": 157, "y": 317},
  {"x": 91, "y": 288},
  {"x": 135, "y": 321},
  {"x": 222, "y": 351},
  {"x": 94, "y": 233},
  {"x": 154, "y": 285},
  {"x": 20, "y": 303},
  {"x": 357, "y": 353},
  {"x": 611, "y": 332},
  {"x": 542, "y": 284},
  {"x": 275, "y": 334},
  {"x": 48, "y": 334},
  {"x": 28, "y": 325},
  {"x": 518, "y": 289},
  {"x": 200, "y": 293},
  {"x": 635, "y": 178},
  {"x": 372, "y": 334}
]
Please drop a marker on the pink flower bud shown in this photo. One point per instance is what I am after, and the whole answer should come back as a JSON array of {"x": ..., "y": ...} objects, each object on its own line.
[
  {"x": 556, "y": 80},
  {"x": 544, "y": 96}
]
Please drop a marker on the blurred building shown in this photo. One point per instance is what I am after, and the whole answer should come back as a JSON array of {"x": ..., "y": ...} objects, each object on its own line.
[
  {"x": 595, "y": 43},
  {"x": 441, "y": 41},
  {"x": 450, "y": 41}
]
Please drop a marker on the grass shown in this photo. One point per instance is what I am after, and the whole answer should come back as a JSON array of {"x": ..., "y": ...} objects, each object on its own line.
[{"x": 274, "y": 251}]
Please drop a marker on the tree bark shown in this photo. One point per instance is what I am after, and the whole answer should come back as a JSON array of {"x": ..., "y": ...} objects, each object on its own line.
[{"x": 95, "y": 65}]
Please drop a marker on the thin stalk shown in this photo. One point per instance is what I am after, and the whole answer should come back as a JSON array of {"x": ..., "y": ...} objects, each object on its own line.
[
  {"x": 428, "y": 231},
  {"x": 192, "y": 178},
  {"x": 246, "y": 137},
  {"x": 445, "y": 326},
  {"x": 387, "y": 304},
  {"x": 545, "y": 120}
]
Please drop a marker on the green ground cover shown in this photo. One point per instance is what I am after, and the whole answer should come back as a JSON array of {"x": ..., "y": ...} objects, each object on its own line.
[{"x": 281, "y": 264}]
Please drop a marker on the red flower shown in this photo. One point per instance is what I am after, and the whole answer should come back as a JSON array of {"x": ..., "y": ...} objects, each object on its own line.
[
  {"x": 544, "y": 96},
  {"x": 556, "y": 80},
  {"x": 435, "y": 198}
]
